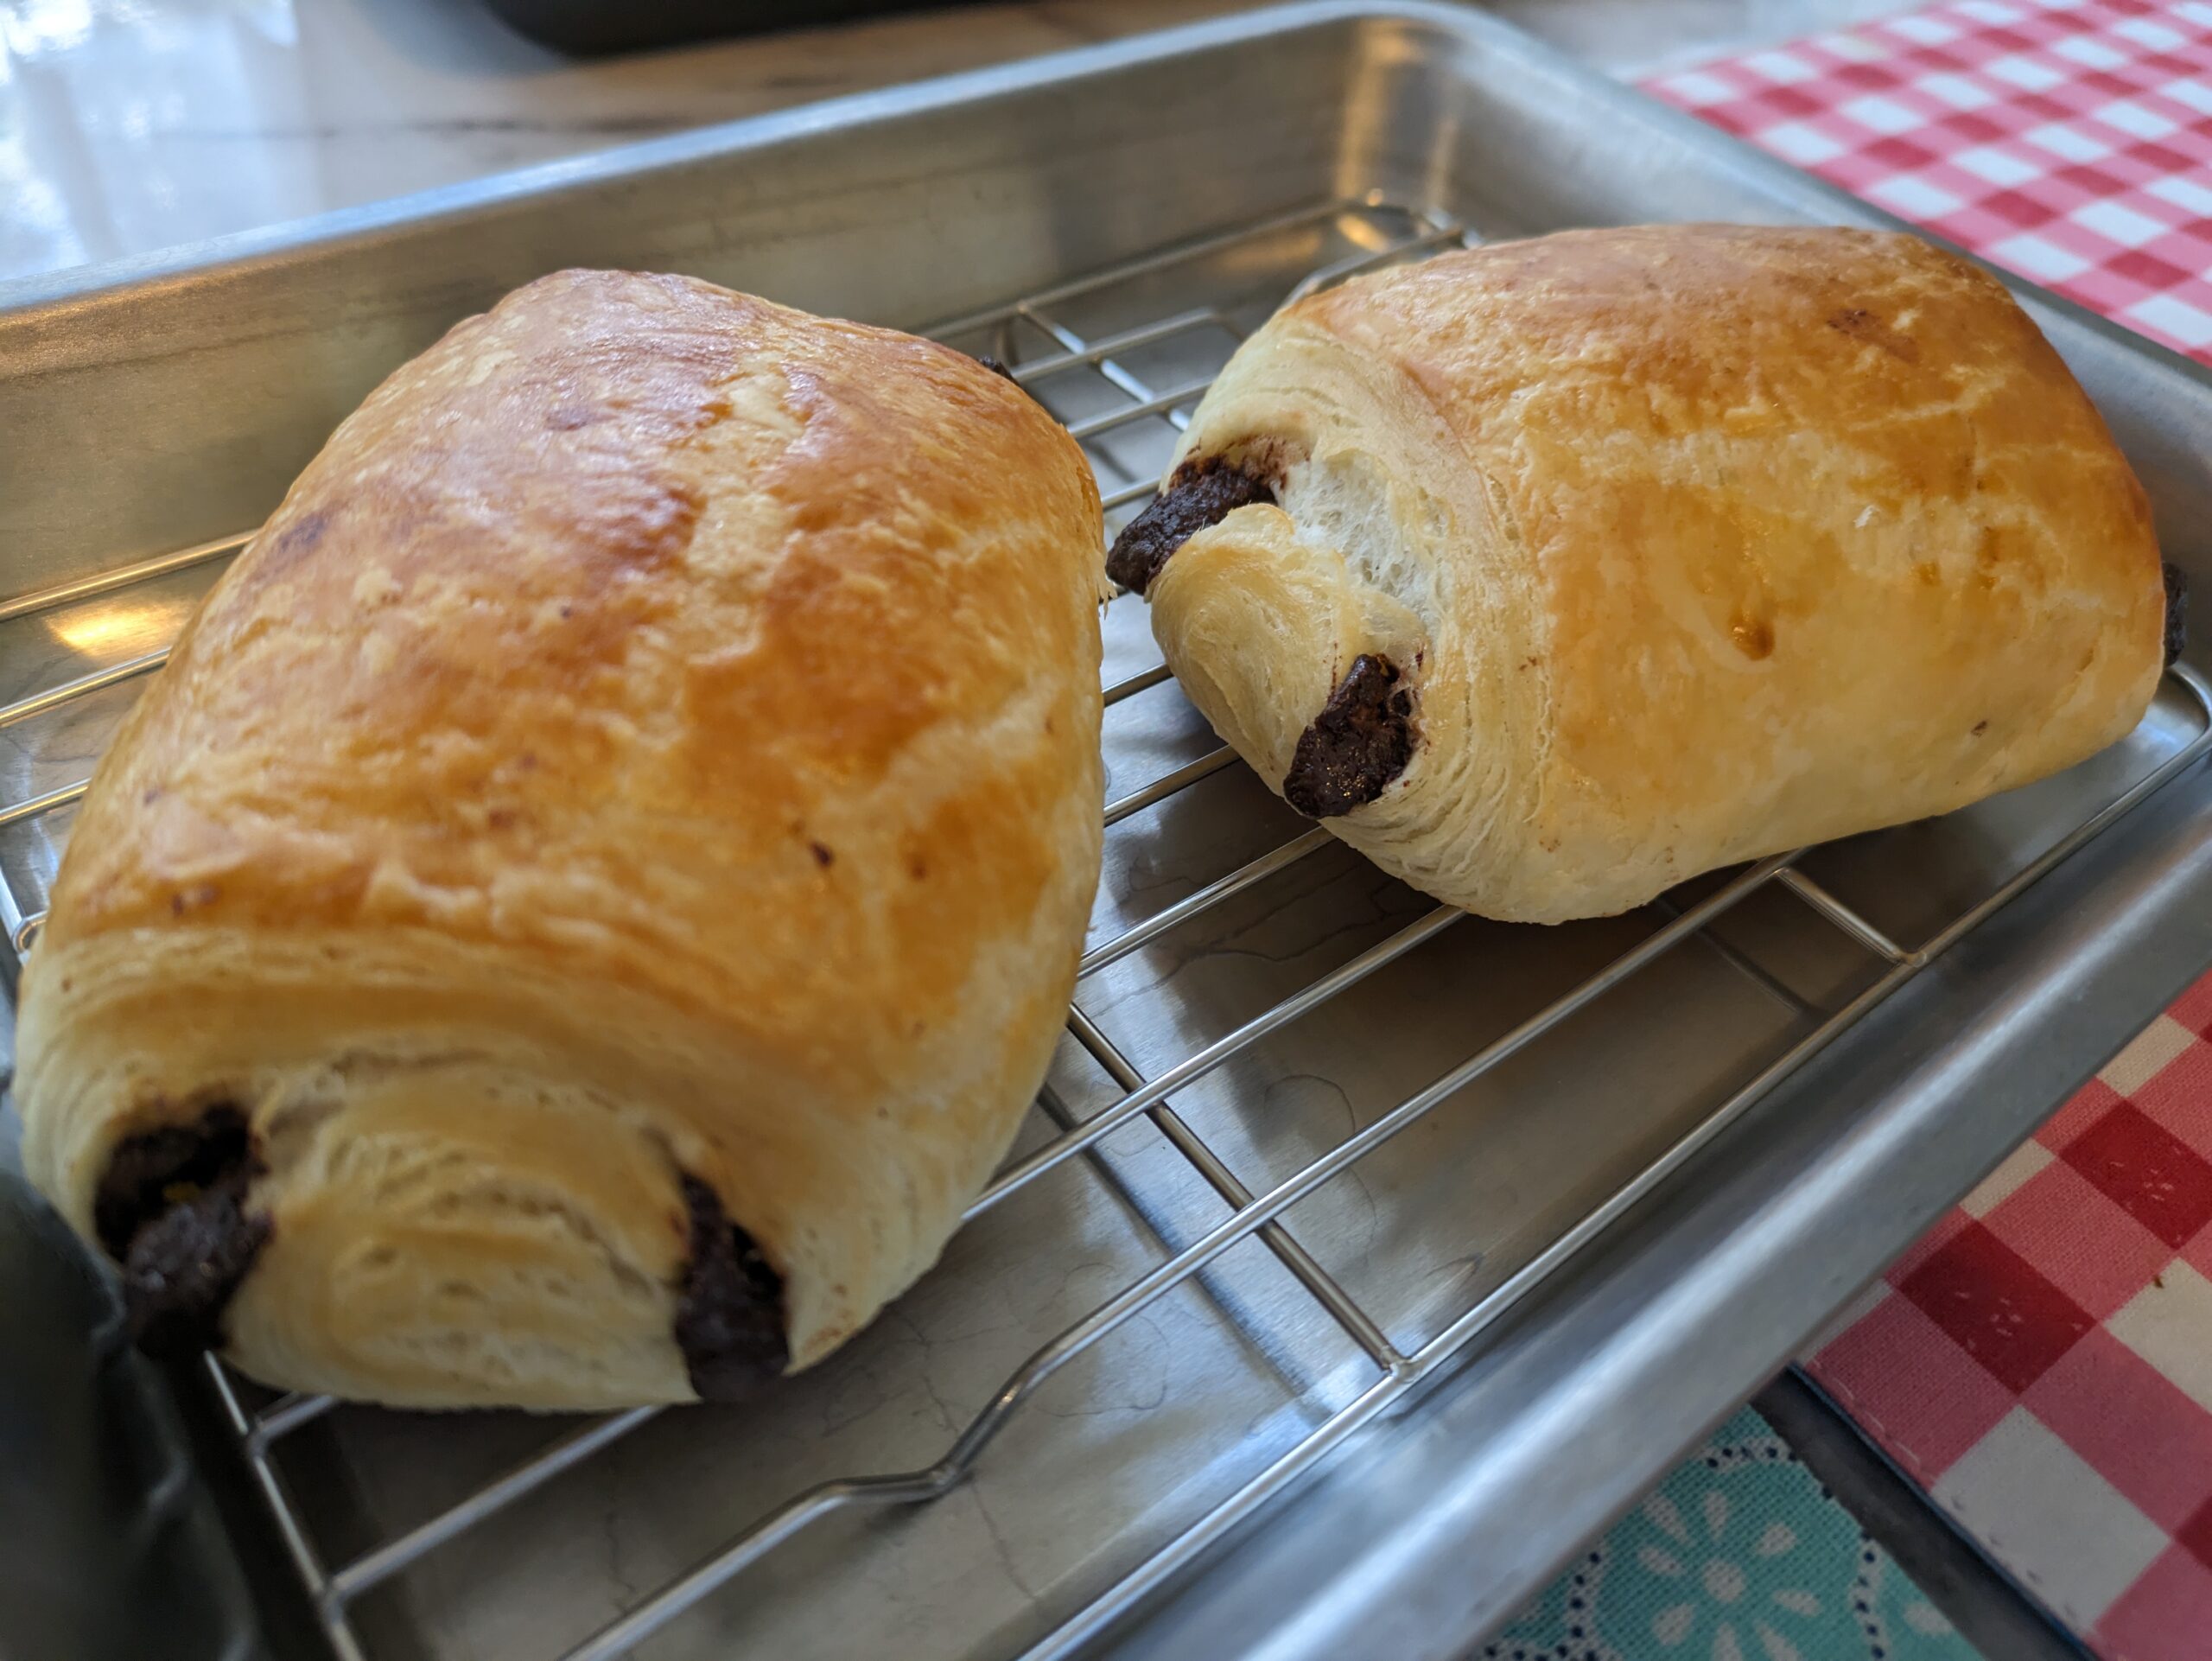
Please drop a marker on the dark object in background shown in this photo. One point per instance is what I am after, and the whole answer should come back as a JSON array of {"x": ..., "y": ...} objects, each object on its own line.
[
  {"x": 593, "y": 27},
  {"x": 114, "y": 1547}
]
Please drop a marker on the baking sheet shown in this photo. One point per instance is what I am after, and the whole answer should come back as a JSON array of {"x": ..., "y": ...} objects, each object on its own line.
[{"x": 216, "y": 381}]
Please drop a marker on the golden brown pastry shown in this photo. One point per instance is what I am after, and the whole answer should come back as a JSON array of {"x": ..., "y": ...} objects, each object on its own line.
[
  {"x": 1550, "y": 574},
  {"x": 596, "y": 889}
]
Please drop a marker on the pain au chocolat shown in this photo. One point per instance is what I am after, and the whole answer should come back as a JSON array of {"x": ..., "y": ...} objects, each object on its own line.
[
  {"x": 1552, "y": 573},
  {"x": 595, "y": 890}
]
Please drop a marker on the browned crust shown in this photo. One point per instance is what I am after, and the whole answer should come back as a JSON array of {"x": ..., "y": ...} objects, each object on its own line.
[
  {"x": 507, "y": 632},
  {"x": 657, "y": 734}
]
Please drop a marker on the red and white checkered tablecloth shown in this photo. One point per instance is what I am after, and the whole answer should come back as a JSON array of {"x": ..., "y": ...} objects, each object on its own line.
[
  {"x": 2068, "y": 140},
  {"x": 2042, "y": 1361}
]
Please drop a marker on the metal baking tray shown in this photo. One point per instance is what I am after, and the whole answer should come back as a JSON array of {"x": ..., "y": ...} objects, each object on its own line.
[{"x": 1361, "y": 1259}]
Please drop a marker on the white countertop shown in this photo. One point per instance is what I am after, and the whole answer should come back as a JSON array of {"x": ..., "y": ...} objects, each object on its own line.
[{"x": 128, "y": 126}]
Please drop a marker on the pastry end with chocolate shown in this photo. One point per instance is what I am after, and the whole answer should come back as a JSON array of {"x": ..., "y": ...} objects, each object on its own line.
[
  {"x": 2177, "y": 610},
  {"x": 172, "y": 1211},
  {"x": 729, "y": 1319},
  {"x": 1360, "y": 742},
  {"x": 1201, "y": 493}
]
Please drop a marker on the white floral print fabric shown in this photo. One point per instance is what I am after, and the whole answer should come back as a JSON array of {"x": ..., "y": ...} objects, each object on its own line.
[{"x": 1741, "y": 1554}]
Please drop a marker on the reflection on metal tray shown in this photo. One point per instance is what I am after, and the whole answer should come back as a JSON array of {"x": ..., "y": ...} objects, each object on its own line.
[{"x": 1370, "y": 1253}]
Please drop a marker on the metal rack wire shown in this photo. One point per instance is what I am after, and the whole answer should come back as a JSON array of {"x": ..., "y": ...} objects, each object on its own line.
[{"x": 335, "y": 1589}]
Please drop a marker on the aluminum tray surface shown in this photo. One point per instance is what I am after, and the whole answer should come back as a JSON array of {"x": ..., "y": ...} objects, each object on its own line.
[{"x": 1362, "y": 1254}]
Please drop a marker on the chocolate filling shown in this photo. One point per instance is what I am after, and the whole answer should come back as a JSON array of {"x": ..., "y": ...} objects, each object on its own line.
[
  {"x": 2177, "y": 611},
  {"x": 171, "y": 1210},
  {"x": 729, "y": 1321},
  {"x": 1201, "y": 493},
  {"x": 1360, "y": 742}
]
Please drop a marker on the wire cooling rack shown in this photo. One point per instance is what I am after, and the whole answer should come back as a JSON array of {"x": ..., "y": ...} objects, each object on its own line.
[{"x": 1122, "y": 355}]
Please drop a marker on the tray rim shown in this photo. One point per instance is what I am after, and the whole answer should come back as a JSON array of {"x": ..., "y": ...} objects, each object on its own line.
[{"x": 239, "y": 251}]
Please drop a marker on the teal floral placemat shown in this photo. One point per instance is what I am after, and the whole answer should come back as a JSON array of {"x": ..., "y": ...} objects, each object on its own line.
[{"x": 1741, "y": 1554}]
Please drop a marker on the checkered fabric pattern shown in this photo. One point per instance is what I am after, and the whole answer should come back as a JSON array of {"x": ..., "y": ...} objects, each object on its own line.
[
  {"x": 2042, "y": 1361},
  {"x": 2068, "y": 140}
]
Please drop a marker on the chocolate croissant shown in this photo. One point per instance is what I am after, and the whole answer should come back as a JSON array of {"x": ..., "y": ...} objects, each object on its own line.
[
  {"x": 1550, "y": 574},
  {"x": 597, "y": 885}
]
